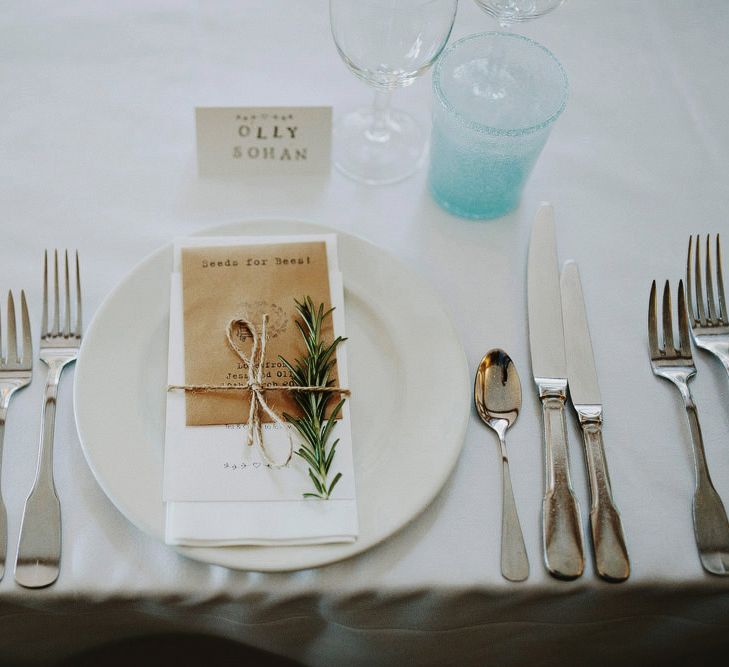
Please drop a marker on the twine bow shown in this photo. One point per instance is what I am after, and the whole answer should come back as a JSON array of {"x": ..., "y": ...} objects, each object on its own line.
[{"x": 255, "y": 364}]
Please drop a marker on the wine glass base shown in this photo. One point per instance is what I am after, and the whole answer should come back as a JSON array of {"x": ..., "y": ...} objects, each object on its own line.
[{"x": 378, "y": 158}]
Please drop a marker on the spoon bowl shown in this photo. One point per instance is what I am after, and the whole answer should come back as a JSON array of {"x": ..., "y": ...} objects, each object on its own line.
[{"x": 497, "y": 391}]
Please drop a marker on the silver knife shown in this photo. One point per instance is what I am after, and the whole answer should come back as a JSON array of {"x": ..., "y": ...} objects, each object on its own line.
[
  {"x": 562, "y": 531},
  {"x": 611, "y": 555}
]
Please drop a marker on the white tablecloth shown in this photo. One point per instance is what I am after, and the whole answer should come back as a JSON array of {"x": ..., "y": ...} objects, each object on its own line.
[{"x": 97, "y": 152}]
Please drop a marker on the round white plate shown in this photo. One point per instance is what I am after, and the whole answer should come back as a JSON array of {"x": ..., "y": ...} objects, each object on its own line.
[{"x": 410, "y": 397}]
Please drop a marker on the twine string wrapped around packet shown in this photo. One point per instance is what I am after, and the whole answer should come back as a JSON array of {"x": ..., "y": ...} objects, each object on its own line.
[{"x": 255, "y": 364}]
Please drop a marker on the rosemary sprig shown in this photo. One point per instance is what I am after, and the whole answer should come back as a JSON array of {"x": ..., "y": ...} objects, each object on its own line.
[{"x": 313, "y": 369}]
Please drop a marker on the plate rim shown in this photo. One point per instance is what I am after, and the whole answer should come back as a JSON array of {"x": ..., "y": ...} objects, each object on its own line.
[{"x": 199, "y": 553}]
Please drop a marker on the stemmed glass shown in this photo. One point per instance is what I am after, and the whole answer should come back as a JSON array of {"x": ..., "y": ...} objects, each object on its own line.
[
  {"x": 496, "y": 77},
  {"x": 507, "y": 12},
  {"x": 387, "y": 44}
]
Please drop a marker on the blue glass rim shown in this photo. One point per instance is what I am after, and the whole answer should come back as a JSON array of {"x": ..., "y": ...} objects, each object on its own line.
[{"x": 488, "y": 129}]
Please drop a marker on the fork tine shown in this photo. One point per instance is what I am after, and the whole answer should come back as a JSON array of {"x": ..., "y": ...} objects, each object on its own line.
[
  {"x": 710, "y": 308},
  {"x": 692, "y": 313},
  {"x": 12, "y": 351},
  {"x": 44, "y": 317},
  {"x": 720, "y": 284},
  {"x": 56, "y": 305},
  {"x": 67, "y": 315},
  {"x": 653, "y": 324},
  {"x": 667, "y": 321},
  {"x": 78, "y": 298},
  {"x": 683, "y": 325},
  {"x": 27, "y": 338},
  {"x": 700, "y": 314}
]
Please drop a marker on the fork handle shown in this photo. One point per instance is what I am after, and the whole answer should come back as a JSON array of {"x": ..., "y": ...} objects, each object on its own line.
[
  {"x": 39, "y": 544},
  {"x": 711, "y": 526},
  {"x": 44, "y": 470},
  {"x": 6, "y": 391},
  {"x": 3, "y": 512},
  {"x": 701, "y": 467},
  {"x": 611, "y": 554},
  {"x": 562, "y": 531}
]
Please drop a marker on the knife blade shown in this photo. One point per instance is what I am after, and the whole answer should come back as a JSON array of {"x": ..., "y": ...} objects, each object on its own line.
[
  {"x": 561, "y": 526},
  {"x": 611, "y": 555},
  {"x": 546, "y": 337}
]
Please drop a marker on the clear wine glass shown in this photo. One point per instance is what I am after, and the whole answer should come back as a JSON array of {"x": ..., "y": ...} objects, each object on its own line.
[
  {"x": 507, "y": 12},
  {"x": 387, "y": 44}
]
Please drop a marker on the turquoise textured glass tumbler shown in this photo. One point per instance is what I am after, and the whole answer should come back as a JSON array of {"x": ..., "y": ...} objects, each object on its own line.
[{"x": 496, "y": 98}]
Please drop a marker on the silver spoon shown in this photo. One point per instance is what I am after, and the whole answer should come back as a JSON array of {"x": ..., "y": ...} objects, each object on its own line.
[{"x": 497, "y": 394}]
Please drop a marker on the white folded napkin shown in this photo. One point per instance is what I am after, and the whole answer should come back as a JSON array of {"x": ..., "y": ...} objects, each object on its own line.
[{"x": 219, "y": 491}]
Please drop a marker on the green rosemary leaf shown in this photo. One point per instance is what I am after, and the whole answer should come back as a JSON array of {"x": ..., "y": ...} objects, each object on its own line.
[
  {"x": 303, "y": 328},
  {"x": 308, "y": 432},
  {"x": 289, "y": 367},
  {"x": 306, "y": 455},
  {"x": 330, "y": 455},
  {"x": 330, "y": 350},
  {"x": 331, "y": 422},
  {"x": 337, "y": 477},
  {"x": 317, "y": 484},
  {"x": 302, "y": 427}
]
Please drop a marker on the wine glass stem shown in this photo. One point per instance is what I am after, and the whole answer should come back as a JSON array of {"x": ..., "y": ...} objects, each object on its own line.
[
  {"x": 379, "y": 131},
  {"x": 496, "y": 62}
]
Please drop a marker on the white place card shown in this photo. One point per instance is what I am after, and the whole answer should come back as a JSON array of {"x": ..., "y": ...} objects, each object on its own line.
[{"x": 263, "y": 140}]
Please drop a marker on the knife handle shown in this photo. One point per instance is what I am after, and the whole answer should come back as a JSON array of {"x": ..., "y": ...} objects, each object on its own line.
[
  {"x": 611, "y": 554},
  {"x": 562, "y": 532}
]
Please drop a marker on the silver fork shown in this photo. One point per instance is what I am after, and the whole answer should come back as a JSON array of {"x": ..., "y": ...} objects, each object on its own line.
[
  {"x": 676, "y": 364},
  {"x": 709, "y": 323},
  {"x": 39, "y": 546},
  {"x": 16, "y": 372}
]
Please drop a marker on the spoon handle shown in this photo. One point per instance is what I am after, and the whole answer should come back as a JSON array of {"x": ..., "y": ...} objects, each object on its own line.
[{"x": 514, "y": 561}]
